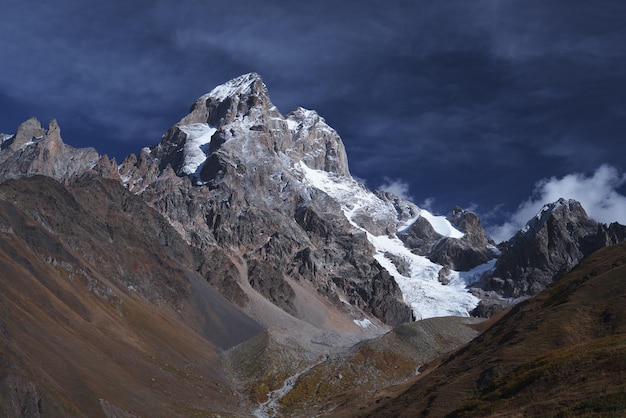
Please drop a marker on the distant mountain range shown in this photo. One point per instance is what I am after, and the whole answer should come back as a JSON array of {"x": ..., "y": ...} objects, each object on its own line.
[{"x": 236, "y": 267}]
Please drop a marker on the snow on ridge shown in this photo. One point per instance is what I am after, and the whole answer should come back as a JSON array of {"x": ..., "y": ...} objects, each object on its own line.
[
  {"x": 198, "y": 137},
  {"x": 236, "y": 86},
  {"x": 301, "y": 119},
  {"x": 31, "y": 142},
  {"x": 441, "y": 225},
  {"x": 352, "y": 196},
  {"x": 421, "y": 288}
]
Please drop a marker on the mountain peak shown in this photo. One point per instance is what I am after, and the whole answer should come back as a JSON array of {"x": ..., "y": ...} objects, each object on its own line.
[
  {"x": 242, "y": 96},
  {"x": 563, "y": 208},
  {"x": 548, "y": 246},
  {"x": 247, "y": 84}
]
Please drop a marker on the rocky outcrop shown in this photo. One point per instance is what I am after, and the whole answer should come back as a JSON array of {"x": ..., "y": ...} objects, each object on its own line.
[
  {"x": 473, "y": 249},
  {"x": 421, "y": 237},
  {"x": 456, "y": 253},
  {"x": 23, "y": 398},
  {"x": 550, "y": 245},
  {"x": 37, "y": 151}
]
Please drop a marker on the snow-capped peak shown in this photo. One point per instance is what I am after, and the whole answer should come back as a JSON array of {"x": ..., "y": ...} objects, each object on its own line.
[
  {"x": 237, "y": 86},
  {"x": 560, "y": 206}
]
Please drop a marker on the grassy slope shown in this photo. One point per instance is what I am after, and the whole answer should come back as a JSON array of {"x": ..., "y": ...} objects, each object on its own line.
[
  {"x": 336, "y": 382},
  {"x": 561, "y": 353}
]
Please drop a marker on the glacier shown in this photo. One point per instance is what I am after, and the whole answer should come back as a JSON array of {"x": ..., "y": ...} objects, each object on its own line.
[{"x": 421, "y": 289}]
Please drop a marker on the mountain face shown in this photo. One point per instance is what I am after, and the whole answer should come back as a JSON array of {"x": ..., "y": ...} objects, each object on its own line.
[
  {"x": 472, "y": 249},
  {"x": 274, "y": 192},
  {"x": 234, "y": 260},
  {"x": 550, "y": 245}
]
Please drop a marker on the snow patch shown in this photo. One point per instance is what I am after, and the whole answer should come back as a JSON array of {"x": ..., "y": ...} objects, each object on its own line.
[
  {"x": 474, "y": 275},
  {"x": 363, "y": 323},
  {"x": 195, "y": 155},
  {"x": 404, "y": 226},
  {"x": 293, "y": 125},
  {"x": 5, "y": 137},
  {"x": 441, "y": 225}
]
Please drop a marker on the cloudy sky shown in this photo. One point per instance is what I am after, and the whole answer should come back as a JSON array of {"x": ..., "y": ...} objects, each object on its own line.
[{"x": 493, "y": 105}]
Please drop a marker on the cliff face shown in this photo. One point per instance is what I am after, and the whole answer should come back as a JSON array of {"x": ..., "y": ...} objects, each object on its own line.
[{"x": 550, "y": 245}]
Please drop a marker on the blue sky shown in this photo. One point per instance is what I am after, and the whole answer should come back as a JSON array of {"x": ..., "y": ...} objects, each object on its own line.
[{"x": 472, "y": 103}]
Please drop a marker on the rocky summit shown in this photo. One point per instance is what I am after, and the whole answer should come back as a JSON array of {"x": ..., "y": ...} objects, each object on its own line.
[
  {"x": 547, "y": 247},
  {"x": 236, "y": 267}
]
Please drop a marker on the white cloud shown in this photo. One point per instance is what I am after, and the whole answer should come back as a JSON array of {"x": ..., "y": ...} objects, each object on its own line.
[
  {"x": 396, "y": 186},
  {"x": 428, "y": 204},
  {"x": 598, "y": 195}
]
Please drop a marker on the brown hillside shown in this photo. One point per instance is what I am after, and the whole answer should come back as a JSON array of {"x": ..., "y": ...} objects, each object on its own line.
[
  {"x": 561, "y": 353},
  {"x": 95, "y": 314}
]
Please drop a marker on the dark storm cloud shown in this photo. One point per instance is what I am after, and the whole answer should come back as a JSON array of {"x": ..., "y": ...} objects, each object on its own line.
[{"x": 471, "y": 102}]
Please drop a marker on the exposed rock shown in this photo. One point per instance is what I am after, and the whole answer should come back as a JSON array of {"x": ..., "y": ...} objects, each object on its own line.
[
  {"x": 35, "y": 151},
  {"x": 461, "y": 254},
  {"x": 491, "y": 302},
  {"x": 465, "y": 253},
  {"x": 316, "y": 143},
  {"x": 550, "y": 245},
  {"x": 23, "y": 398},
  {"x": 421, "y": 237}
]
